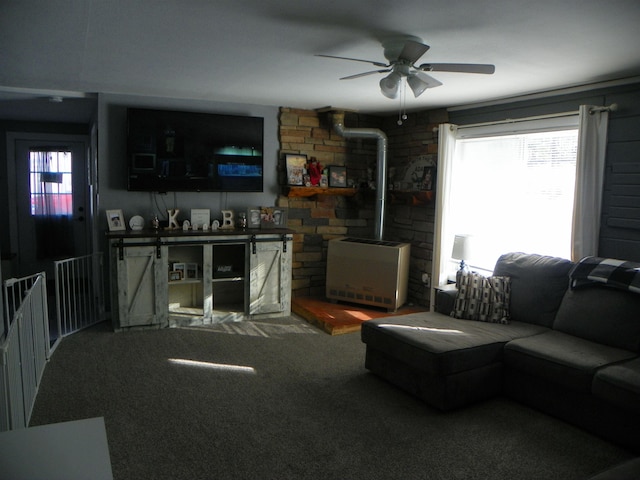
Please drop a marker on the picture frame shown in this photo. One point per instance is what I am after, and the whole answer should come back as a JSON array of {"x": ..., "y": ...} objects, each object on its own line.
[
  {"x": 200, "y": 217},
  {"x": 295, "y": 164},
  {"x": 180, "y": 268},
  {"x": 337, "y": 176},
  {"x": 273, "y": 217},
  {"x": 175, "y": 276},
  {"x": 115, "y": 219},
  {"x": 191, "y": 271},
  {"x": 253, "y": 218}
]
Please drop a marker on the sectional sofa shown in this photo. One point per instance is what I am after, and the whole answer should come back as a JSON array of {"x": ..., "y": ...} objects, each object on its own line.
[{"x": 559, "y": 336}]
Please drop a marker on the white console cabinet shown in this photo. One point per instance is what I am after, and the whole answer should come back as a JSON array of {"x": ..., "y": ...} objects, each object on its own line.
[{"x": 173, "y": 278}]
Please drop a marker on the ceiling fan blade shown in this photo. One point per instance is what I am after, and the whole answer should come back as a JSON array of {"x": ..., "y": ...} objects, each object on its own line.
[
  {"x": 458, "y": 67},
  {"x": 412, "y": 51},
  {"x": 377, "y": 64},
  {"x": 364, "y": 74}
]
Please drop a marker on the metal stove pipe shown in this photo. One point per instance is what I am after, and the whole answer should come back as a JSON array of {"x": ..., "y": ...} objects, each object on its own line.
[{"x": 381, "y": 182}]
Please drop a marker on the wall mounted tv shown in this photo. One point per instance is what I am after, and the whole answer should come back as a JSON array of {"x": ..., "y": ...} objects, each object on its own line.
[{"x": 172, "y": 151}]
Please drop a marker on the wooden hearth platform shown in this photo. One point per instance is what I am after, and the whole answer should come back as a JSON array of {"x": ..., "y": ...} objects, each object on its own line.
[{"x": 337, "y": 318}]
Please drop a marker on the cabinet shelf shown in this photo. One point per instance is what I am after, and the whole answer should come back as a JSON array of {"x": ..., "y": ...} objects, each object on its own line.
[
  {"x": 311, "y": 191},
  {"x": 228, "y": 308},
  {"x": 186, "y": 281},
  {"x": 228, "y": 279},
  {"x": 188, "y": 311}
]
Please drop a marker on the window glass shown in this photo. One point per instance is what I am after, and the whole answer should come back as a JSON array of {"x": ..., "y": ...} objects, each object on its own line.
[
  {"x": 50, "y": 182},
  {"x": 514, "y": 193}
]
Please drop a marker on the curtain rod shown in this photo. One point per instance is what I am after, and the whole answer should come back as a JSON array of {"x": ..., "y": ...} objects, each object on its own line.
[
  {"x": 516, "y": 120},
  {"x": 610, "y": 108}
]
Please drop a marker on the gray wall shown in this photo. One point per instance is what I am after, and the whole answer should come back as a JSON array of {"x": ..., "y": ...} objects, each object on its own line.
[{"x": 620, "y": 220}]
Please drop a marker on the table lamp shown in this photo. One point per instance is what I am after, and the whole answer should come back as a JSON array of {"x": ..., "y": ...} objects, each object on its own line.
[{"x": 461, "y": 250}]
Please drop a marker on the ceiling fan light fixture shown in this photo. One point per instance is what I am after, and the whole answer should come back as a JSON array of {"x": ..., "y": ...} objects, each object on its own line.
[
  {"x": 402, "y": 53},
  {"x": 389, "y": 85},
  {"x": 418, "y": 86}
]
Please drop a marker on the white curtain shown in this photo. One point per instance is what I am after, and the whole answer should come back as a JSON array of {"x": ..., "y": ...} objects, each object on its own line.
[
  {"x": 592, "y": 145},
  {"x": 441, "y": 244}
]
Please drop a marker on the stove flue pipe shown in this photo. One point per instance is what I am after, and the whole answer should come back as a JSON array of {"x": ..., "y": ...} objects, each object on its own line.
[{"x": 381, "y": 182}]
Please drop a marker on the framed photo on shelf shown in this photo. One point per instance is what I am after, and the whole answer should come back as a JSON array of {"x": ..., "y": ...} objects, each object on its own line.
[
  {"x": 295, "y": 164},
  {"x": 273, "y": 217},
  {"x": 115, "y": 219},
  {"x": 337, "y": 176},
  {"x": 175, "y": 276},
  {"x": 253, "y": 218},
  {"x": 200, "y": 217},
  {"x": 191, "y": 271},
  {"x": 179, "y": 268}
]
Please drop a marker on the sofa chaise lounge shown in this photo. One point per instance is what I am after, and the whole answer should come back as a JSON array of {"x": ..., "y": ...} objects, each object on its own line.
[{"x": 568, "y": 344}]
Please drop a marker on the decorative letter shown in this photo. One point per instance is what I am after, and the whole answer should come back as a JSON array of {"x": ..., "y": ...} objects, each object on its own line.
[
  {"x": 227, "y": 220},
  {"x": 173, "y": 218}
]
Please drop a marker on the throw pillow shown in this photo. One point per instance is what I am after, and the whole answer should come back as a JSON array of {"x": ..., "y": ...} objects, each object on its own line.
[{"x": 481, "y": 298}]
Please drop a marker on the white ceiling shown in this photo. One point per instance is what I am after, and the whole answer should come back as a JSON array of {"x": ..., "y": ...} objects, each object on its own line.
[{"x": 262, "y": 51}]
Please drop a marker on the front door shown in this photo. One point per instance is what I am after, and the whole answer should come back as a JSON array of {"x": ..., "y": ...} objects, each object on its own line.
[{"x": 53, "y": 218}]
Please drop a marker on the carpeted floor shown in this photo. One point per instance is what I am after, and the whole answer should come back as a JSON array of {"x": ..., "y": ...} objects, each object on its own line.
[
  {"x": 281, "y": 399},
  {"x": 337, "y": 318}
]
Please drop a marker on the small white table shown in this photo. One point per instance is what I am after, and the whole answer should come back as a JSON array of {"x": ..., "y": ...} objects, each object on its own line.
[{"x": 69, "y": 450}]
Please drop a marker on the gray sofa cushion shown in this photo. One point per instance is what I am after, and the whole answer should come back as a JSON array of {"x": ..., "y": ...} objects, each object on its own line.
[
  {"x": 538, "y": 284},
  {"x": 619, "y": 384},
  {"x": 601, "y": 314},
  {"x": 564, "y": 359},
  {"x": 440, "y": 345}
]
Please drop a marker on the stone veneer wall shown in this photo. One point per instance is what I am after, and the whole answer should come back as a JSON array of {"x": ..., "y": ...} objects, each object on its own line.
[
  {"x": 319, "y": 218},
  {"x": 409, "y": 219}
]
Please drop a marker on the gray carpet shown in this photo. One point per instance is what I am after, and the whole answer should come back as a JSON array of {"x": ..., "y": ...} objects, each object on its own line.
[{"x": 295, "y": 403}]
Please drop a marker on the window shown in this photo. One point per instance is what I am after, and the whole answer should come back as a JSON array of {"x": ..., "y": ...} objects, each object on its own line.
[
  {"x": 513, "y": 191},
  {"x": 50, "y": 184}
]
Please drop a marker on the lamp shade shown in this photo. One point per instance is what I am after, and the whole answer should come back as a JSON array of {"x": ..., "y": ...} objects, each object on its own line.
[
  {"x": 461, "y": 247},
  {"x": 420, "y": 81},
  {"x": 417, "y": 85},
  {"x": 389, "y": 85}
]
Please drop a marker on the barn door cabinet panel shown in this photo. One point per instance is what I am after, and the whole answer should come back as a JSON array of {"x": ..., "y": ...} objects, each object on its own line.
[
  {"x": 141, "y": 300},
  {"x": 270, "y": 278},
  {"x": 181, "y": 279}
]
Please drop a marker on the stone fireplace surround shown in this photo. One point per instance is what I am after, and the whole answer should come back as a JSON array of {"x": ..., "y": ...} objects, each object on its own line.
[{"x": 318, "y": 218}]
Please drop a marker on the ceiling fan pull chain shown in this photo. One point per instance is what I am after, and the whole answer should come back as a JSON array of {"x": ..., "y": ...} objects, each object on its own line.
[{"x": 402, "y": 114}]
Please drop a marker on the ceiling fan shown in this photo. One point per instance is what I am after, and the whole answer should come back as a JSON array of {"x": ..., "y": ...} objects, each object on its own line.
[{"x": 402, "y": 54}]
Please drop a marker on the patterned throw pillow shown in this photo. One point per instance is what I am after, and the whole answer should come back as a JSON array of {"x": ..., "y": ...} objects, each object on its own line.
[{"x": 482, "y": 298}]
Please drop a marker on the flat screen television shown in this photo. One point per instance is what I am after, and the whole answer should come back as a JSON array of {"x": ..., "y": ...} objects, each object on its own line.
[{"x": 174, "y": 151}]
